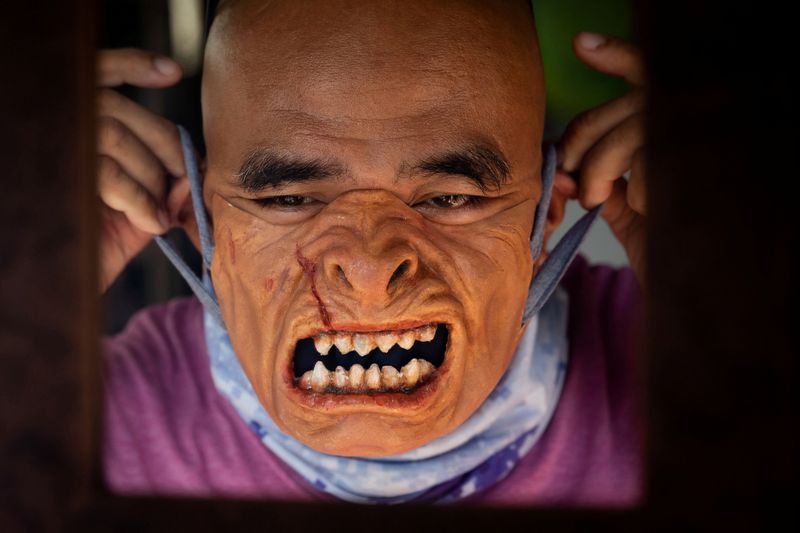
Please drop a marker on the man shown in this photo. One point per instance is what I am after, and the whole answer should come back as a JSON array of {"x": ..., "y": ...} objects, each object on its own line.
[{"x": 372, "y": 178}]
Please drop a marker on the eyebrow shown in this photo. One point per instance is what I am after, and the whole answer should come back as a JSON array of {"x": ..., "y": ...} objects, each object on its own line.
[
  {"x": 486, "y": 166},
  {"x": 263, "y": 169},
  {"x": 482, "y": 164}
]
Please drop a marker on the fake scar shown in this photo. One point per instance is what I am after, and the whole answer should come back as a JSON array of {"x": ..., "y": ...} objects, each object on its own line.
[{"x": 311, "y": 269}]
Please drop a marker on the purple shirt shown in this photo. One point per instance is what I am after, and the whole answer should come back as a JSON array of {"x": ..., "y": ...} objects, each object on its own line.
[{"x": 167, "y": 431}]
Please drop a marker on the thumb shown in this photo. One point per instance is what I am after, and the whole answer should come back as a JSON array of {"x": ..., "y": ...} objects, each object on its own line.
[{"x": 610, "y": 55}]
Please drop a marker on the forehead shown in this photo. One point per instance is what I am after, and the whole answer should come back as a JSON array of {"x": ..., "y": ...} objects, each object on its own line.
[{"x": 371, "y": 72}]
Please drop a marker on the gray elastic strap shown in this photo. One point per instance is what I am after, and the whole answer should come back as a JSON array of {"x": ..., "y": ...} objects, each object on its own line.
[
  {"x": 202, "y": 293},
  {"x": 540, "y": 219},
  {"x": 554, "y": 267},
  {"x": 201, "y": 290},
  {"x": 196, "y": 185}
]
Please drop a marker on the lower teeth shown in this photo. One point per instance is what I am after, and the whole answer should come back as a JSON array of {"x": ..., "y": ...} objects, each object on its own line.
[{"x": 374, "y": 379}]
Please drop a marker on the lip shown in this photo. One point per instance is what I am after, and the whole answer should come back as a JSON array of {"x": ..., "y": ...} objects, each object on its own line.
[
  {"x": 361, "y": 327},
  {"x": 418, "y": 399}
]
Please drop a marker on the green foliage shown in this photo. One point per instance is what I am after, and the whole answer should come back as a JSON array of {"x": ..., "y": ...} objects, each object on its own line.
[{"x": 571, "y": 85}]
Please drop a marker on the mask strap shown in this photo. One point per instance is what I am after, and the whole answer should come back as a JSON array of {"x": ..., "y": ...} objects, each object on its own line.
[
  {"x": 202, "y": 289},
  {"x": 554, "y": 267}
]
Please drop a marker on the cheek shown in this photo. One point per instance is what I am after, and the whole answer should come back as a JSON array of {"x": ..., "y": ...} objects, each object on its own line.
[
  {"x": 497, "y": 265},
  {"x": 249, "y": 281}
]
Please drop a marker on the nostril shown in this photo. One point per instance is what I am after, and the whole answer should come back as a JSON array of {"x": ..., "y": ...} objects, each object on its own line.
[
  {"x": 399, "y": 271},
  {"x": 342, "y": 275}
]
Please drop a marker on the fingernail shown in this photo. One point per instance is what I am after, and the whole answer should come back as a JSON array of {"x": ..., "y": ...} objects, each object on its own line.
[
  {"x": 163, "y": 218},
  {"x": 591, "y": 41},
  {"x": 166, "y": 66}
]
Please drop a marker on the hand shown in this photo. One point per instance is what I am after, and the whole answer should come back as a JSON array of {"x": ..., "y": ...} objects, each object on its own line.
[
  {"x": 137, "y": 150},
  {"x": 603, "y": 143}
]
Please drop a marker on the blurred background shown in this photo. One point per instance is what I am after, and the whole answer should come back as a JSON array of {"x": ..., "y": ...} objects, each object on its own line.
[{"x": 177, "y": 28}]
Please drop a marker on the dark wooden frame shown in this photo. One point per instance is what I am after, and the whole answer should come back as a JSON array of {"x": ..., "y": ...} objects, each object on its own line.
[{"x": 720, "y": 376}]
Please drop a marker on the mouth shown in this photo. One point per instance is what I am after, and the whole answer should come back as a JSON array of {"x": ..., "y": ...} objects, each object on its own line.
[{"x": 369, "y": 362}]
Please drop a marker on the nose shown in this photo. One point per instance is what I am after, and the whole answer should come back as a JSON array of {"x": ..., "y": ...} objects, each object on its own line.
[{"x": 371, "y": 277}]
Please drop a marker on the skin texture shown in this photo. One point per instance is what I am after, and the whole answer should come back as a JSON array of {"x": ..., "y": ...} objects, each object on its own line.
[
  {"x": 378, "y": 86},
  {"x": 374, "y": 87}
]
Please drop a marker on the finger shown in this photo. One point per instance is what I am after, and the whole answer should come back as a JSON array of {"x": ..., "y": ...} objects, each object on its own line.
[
  {"x": 565, "y": 184},
  {"x": 626, "y": 225},
  {"x": 136, "y": 67},
  {"x": 586, "y": 128},
  {"x": 179, "y": 200},
  {"x": 608, "y": 160},
  {"x": 616, "y": 209},
  {"x": 636, "y": 183},
  {"x": 159, "y": 134},
  {"x": 610, "y": 55},
  {"x": 122, "y": 193},
  {"x": 115, "y": 140}
]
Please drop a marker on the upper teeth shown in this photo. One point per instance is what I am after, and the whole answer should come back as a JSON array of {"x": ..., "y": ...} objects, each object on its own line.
[{"x": 363, "y": 343}]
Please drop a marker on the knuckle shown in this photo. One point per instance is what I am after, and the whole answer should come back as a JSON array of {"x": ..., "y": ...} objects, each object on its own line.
[
  {"x": 576, "y": 128},
  {"x": 108, "y": 170},
  {"x": 582, "y": 121},
  {"x": 118, "y": 190},
  {"x": 167, "y": 130},
  {"x": 111, "y": 133},
  {"x": 107, "y": 101}
]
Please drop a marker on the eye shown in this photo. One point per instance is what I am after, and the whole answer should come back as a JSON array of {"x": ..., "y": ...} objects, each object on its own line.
[
  {"x": 284, "y": 202},
  {"x": 452, "y": 201}
]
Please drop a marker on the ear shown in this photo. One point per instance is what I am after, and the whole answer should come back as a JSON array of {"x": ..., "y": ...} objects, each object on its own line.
[{"x": 564, "y": 188}]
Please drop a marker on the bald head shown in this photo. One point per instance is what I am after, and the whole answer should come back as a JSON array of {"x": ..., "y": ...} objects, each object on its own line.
[
  {"x": 385, "y": 68},
  {"x": 372, "y": 166}
]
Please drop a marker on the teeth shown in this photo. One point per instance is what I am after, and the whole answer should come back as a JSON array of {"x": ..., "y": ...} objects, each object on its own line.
[
  {"x": 323, "y": 343},
  {"x": 386, "y": 378},
  {"x": 343, "y": 342},
  {"x": 407, "y": 338},
  {"x": 373, "y": 377},
  {"x": 410, "y": 372},
  {"x": 385, "y": 341},
  {"x": 356, "y": 377},
  {"x": 426, "y": 368},
  {"x": 305, "y": 380},
  {"x": 363, "y": 343},
  {"x": 320, "y": 377},
  {"x": 426, "y": 333},
  {"x": 340, "y": 378},
  {"x": 390, "y": 377}
]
